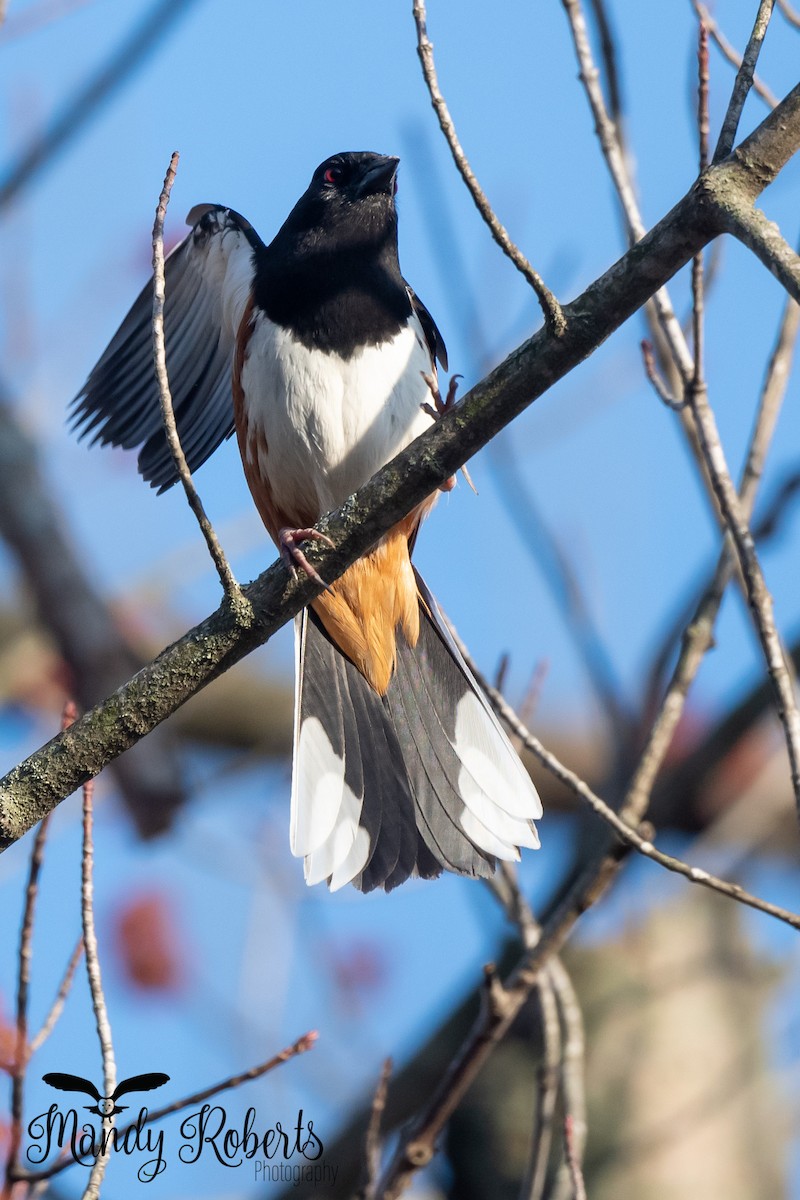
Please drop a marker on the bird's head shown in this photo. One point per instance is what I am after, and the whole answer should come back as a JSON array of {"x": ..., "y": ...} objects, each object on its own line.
[{"x": 350, "y": 199}]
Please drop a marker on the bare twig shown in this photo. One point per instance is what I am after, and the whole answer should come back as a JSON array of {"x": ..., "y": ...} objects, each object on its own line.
[
  {"x": 95, "y": 986},
  {"x": 57, "y": 1006},
  {"x": 735, "y": 518},
  {"x": 302, "y": 1044},
  {"x": 613, "y": 149},
  {"x": 758, "y": 596},
  {"x": 755, "y": 230},
  {"x": 573, "y": 1068},
  {"x": 501, "y": 1004},
  {"x": 578, "y": 1186},
  {"x": 714, "y": 468},
  {"x": 699, "y": 628},
  {"x": 22, "y": 1049},
  {"x": 698, "y": 293},
  {"x": 372, "y": 1142},
  {"x": 230, "y": 586},
  {"x": 791, "y": 14},
  {"x": 608, "y": 51},
  {"x": 728, "y": 51},
  {"x": 551, "y": 309},
  {"x": 743, "y": 81},
  {"x": 563, "y": 1058},
  {"x": 547, "y": 1088},
  {"x": 620, "y": 823},
  {"x": 659, "y": 383}
]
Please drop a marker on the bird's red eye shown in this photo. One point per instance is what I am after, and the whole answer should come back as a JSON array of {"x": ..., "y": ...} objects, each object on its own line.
[{"x": 333, "y": 175}]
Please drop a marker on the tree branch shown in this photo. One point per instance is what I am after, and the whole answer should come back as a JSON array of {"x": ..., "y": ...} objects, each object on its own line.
[{"x": 551, "y": 309}]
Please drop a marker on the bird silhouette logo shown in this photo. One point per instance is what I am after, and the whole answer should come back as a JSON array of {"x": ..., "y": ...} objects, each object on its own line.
[{"x": 106, "y": 1106}]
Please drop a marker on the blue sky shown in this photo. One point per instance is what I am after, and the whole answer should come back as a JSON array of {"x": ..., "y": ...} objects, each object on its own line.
[{"x": 254, "y": 94}]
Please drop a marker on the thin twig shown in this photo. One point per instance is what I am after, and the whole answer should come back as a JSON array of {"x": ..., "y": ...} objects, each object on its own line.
[
  {"x": 763, "y": 237},
  {"x": 229, "y": 583},
  {"x": 551, "y": 309},
  {"x": 735, "y": 518},
  {"x": 573, "y": 1069},
  {"x": 743, "y": 81},
  {"x": 729, "y": 52},
  {"x": 714, "y": 468},
  {"x": 617, "y": 160},
  {"x": 57, "y": 1006},
  {"x": 758, "y": 596},
  {"x": 372, "y": 1141},
  {"x": 698, "y": 286},
  {"x": 547, "y": 1088},
  {"x": 699, "y": 628},
  {"x": 158, "y": 1114},
  {"x": 659, "y": 383},
  {"x": 608, "y": 51},
  {"x": 22, "y": 1050},
  {"x": 563, "y": 1059},
  {"x": 618, "y": 822},
  {"x": 96, "y": 987},
  {"x": 791, "y": 14},
  {"x": 578, "y": 1186},
  {"x": 501, "y": 1004}
]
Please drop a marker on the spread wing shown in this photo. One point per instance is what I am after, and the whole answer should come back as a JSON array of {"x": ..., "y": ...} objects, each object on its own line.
[
  {"x": 208, "y": 280},
  {"x": 140, "y": 1083},
  {"x": 71, "y": 1083}
]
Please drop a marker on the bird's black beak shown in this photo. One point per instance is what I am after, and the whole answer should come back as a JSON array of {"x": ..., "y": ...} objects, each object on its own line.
[{"x": 379, "y": 177}]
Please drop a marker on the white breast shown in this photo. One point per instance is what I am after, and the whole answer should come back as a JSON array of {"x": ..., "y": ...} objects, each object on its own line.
[{"x": 330, "y": 423}]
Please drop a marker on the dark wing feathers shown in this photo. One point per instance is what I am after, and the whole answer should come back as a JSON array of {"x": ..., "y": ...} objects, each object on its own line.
[
  {"x": 432, "y": 336},
  {"x": 71, "y": 1083},
  {"x": 361, "y": 735},
  {"x": 416, "y": 694},
  {"x": 140, "y": 1083},
  {"x": 207, "y": 281}
]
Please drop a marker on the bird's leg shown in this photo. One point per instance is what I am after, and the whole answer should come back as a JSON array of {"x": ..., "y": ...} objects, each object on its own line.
[
  {"x": 437, "y": 410},
  {"x": 292, "y": 555}
]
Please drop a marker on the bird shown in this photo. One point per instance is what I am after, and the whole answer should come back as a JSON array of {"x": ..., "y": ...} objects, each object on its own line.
[
  {"x": 319, "y": 356},
  {"x": 105, "y": 1106}
]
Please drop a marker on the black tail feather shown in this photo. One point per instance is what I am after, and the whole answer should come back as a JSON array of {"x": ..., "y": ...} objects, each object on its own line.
[{"x": 409, "y": 783}]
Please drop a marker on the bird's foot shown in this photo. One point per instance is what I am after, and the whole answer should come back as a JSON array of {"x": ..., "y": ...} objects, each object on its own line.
[
  {"x": 437, "y": 410},
  {"x": 289, "y": 545},
  {"x": 440, "y": 406}
]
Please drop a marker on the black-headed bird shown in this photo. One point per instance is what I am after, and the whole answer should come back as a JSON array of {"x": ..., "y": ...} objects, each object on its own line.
[{"x": 319, "y": 356}]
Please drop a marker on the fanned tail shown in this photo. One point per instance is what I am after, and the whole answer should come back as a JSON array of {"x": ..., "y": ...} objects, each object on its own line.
[{"x": 410, "y": 783}]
